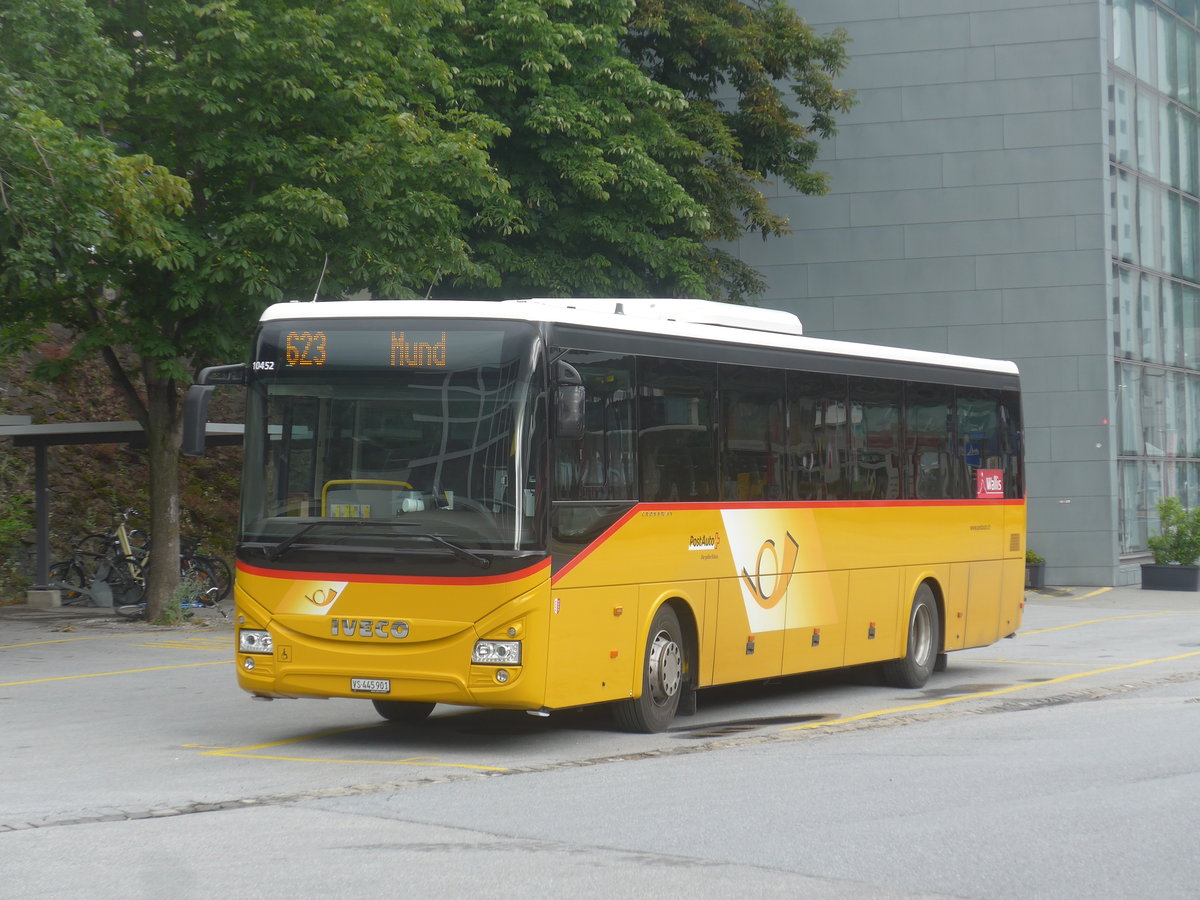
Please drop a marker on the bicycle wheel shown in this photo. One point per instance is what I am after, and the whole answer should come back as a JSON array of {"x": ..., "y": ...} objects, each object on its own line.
[
  {"x": 128, "y": 588},
  {"x": 91, "y": 551},
  {"x": 201, "y": 584},
  {"x": 66, "y": 577},
  {"x": 220, "y": 569}
]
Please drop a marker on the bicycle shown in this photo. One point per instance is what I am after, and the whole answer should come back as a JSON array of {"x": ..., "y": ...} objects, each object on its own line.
[
  {"x": 111, "y": 570},
  {"x": 189, "y": 550}
]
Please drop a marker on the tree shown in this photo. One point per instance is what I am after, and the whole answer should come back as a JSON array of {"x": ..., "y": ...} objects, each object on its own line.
[
  {"x": 168, "y": 169},
  {"x": 730, "y": 59},
  {"x": 640, "y": 134},
  {"x": 585, "y": 150}
]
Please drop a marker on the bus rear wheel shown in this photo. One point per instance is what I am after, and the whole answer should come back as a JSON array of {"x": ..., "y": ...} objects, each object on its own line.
[
  {"x": 924, "y": 631},
  {"x": 662, "y": 678},
  {"x": 406, "y": 712}
]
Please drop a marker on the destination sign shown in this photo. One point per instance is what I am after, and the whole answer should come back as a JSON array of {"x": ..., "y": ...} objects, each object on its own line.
[{"x": 312, "y": 347}]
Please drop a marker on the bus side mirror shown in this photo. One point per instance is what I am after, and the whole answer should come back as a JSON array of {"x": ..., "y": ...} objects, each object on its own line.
[
  {"x": 195, "y": 419},
  {"x": 195, "y": 405},
  {"x": 569, "y": 397}
]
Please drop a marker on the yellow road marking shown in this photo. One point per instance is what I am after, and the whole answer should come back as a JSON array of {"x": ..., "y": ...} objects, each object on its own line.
[
  {"x": 185, "y": 644},
  {"x": 244, "y": 753},
  {"x": 1031, "y": 662},
  {"x": 220, "y": 662},
  {"x": 148, "y": 636},
  {"x": 1103, "y": 590},
  {"x": 1146, "y": 615},
  {"x": 946, "y": 701},
  {"x": 90, "y": 637}
]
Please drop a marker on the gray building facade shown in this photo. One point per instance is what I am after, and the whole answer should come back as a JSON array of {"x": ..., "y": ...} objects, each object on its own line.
[{"x": 1019, "y": 180}]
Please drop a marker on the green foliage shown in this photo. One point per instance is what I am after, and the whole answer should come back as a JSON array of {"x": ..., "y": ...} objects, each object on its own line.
[
  {"x": 172, "y": 611},
  {"x": 733, "y": 61},
  {"x": 1178, "y": 540},
  {"x": 209, "y": 160},
  {"x": 1034, "y": 559},
  {"x": 639, "y": 133}
]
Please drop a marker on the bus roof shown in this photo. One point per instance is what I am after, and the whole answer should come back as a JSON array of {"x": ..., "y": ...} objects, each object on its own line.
[{"x": 701, "y": 320}]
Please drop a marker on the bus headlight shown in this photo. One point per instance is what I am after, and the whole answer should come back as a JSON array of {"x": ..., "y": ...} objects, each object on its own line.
[
  {"x": 255, "y": 641},
  {"x": 497, "y": 653}
]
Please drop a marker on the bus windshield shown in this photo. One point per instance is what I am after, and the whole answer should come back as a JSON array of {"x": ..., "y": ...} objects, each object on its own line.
[{"x": 393, "y": 439}]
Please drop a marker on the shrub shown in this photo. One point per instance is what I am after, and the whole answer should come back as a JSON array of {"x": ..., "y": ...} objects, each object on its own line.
[{"x": 1178, "y": 542}]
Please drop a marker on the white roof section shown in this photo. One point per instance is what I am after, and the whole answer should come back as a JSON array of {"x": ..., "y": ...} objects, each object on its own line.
[{"x": 702, "y": 320}]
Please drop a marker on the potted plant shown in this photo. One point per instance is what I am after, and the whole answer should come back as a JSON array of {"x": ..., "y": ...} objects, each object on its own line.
[
  {"x": 1035, "y": 570},
  {"x": 1175, "y": 549}
]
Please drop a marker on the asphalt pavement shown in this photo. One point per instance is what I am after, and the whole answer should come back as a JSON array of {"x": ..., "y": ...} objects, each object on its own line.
[{"x": 1059, "y": 764}]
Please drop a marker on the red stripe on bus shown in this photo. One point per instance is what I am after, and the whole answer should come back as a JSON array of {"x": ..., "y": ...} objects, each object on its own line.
[
  {"x": 611, "y": 529},
  {"x": 828, "y": 504},
  {"x": 392, "y": 579},
  {"x": 790, "y": 504}
]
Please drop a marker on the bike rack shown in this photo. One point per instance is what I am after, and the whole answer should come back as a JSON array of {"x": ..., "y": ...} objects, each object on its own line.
[{"x": 98, "y": 591}]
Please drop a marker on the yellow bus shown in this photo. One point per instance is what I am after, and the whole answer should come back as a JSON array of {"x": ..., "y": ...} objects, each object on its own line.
[{"x": 543, "y": 504}]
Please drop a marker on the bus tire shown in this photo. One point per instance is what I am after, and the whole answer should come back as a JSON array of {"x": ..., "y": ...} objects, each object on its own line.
[
  {"x": 663, "y": 676},
  {"x": 406, "y": 712},
  {"x": 924, "y": 631}
]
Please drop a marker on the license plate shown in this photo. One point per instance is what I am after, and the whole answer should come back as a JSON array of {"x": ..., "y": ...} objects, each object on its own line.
[{"x": 370, "y": 685}]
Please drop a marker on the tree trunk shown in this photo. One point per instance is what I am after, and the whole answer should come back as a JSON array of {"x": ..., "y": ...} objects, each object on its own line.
[
  {"x": 162, "y": 440},
  {"x": 156, "y": 410}
]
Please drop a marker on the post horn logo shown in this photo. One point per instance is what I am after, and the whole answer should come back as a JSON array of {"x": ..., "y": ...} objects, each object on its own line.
[
  {"x": 783, "y": 574},
  {"x": 321, "y": 597}
]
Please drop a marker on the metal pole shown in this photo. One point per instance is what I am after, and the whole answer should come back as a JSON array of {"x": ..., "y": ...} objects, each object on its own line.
[{"x": 41, "y": 506}]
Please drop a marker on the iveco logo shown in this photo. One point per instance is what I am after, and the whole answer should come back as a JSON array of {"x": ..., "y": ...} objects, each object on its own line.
[{"x": 380, "y": 628}]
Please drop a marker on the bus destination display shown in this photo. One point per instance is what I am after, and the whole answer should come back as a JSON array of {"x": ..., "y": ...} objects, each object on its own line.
[{"x": 311, "y": 348}]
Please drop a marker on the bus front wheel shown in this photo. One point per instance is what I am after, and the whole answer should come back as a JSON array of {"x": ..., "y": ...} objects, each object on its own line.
[
  {"x": 913, "y": 669},
  {"x": 662, "y": 678},
  {"x": 406, "y": 713}
]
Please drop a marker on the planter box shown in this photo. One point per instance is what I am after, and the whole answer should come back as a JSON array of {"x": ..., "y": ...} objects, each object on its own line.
[
  {"x": 1035, "y": 575},
  {"x": 1170, "y": 578}
]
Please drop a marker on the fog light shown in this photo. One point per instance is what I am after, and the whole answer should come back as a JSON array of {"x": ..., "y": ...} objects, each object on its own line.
[
  {"x": 497, "y": 653},
  {"x": 502, "y": 675},
  {"x": 247, "y": 663},
  {"x": 250, "y": 641}
]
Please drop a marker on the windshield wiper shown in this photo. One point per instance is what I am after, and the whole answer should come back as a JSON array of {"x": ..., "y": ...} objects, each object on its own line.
[
  {"x": 291, "y": 540},
  {"x": 461, "y": 552},
  {"x": 288, "y": 542}
]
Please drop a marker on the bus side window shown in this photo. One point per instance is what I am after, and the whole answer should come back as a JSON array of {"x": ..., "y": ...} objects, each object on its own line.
[
  {"x": 1012, "y": 435},
  {"x": 752, "y": 442},
  {"x": 817, "y": 436},
  {"x": 929, "y": 470},
  {"x": 875, "y": 438},
  {"x": 601, "y": 465},
  {"x": 676, "y": 447},
  {"x": 980, "y": 437}
]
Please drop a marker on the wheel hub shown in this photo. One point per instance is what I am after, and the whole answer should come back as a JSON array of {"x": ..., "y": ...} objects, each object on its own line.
[
  {"x": 666, "y": 668},
  {"x": 922, "y": 635}
]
